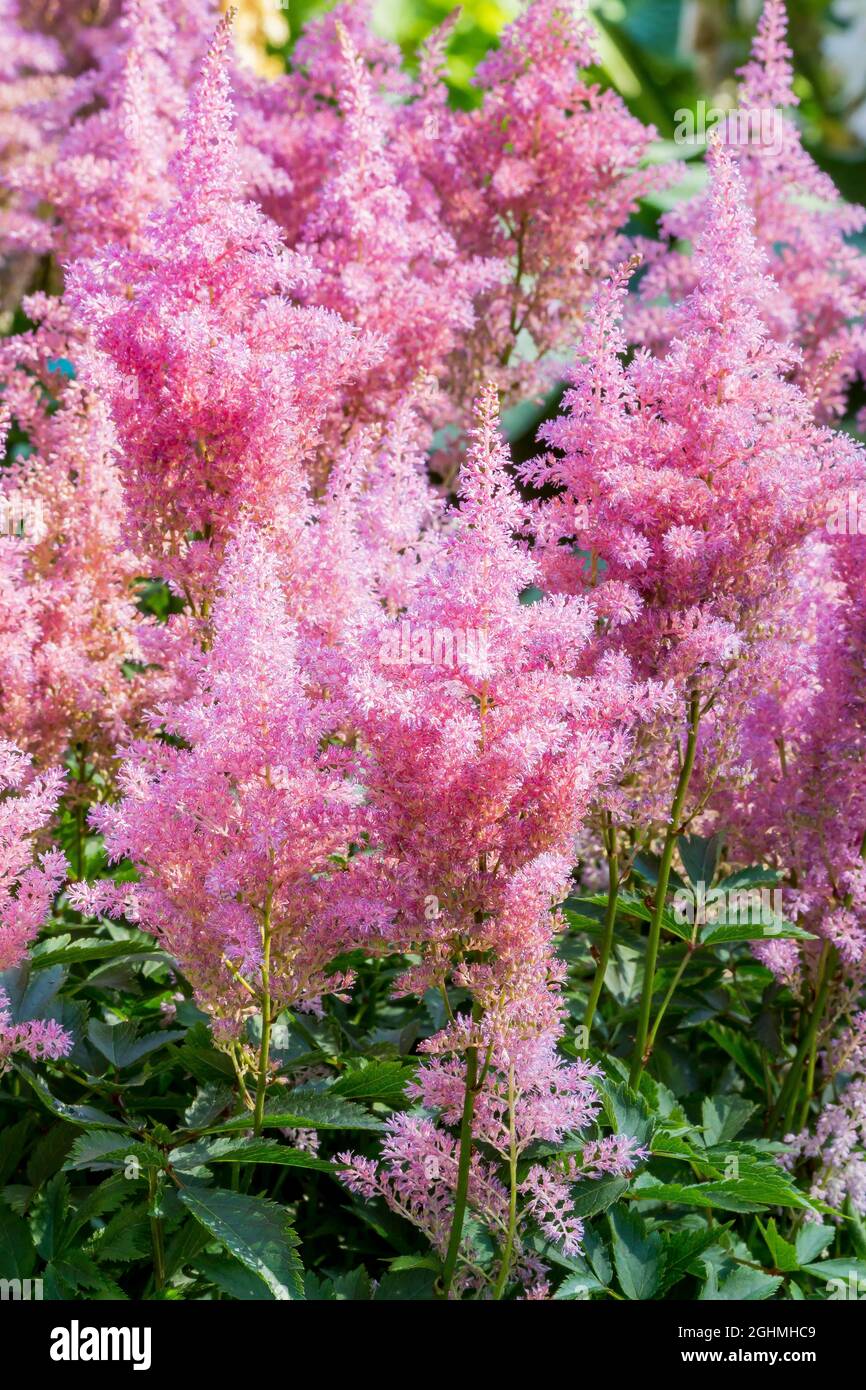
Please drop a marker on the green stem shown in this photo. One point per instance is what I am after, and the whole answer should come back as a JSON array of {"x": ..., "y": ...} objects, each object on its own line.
[
  {"x": 462, "y": 1190},
  {"x": 671, "y": 991},
  {"x": 504, "y": 1268},
  {"x": 642, "y": 1048},
  {"x": 264, "y": 1053},
  {"x": 608, "y": 932},
  {"x": 786, "y": 1101},
  {"x": 157, "y": 1235},
  {"x": 808, "y": 1048}
]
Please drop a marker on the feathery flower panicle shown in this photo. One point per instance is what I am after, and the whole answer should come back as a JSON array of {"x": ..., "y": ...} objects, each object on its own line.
[
  {"x": 27, "y": 803},
  {"x": 391, "y": 269},
  {"x": 27, "y": 888},
  {"x": 837, "y": 1149},
  {"x": 231, "y": 377},
  {"x": 75, "y": 623},
  {"x": 800, "y": 802},
  {"x": 542, "y": 176},
  {"x": 242, "y": 826},
  {"x": 817, "y": 295},
  {"x": 484, "y": 758},
  {"x": 686, "y": 482}
]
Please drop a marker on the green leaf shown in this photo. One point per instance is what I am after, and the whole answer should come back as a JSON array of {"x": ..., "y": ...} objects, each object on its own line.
[
  {"x": 700, "y": 857},
  {"x": 233, "y": 1279},
  {"x": 374, "y": 1081},
  {"x": 17, "y": 1255},
  {"x": 755, "y": 876},
  {"x": 844, "y": 1269},
  {"x": 782, "y": 1253},
  {"x": 723, "y": 1117},
  {"x": 672, "y": 1146},
  {"x": 353, "y": 1287},
  {"x": 410, "y": 1285},
  {"x": 97, "y": 1157},
  {"x": 630, "y": 905},
  {"x": 745, "y": 1284},
  {"x": 403, "y": 1262},
  {"x": 211, "y": 1100},
  {"x": 202, "y": 1060},
  {"x": 50, "y": 1221},
  {"x": 12, "y": 1148},
  {"x": 125, "y": 1237},
  {"x": 812, "y": 1239},
  {"x": 255, "y": 1231},
  {"x": 718, "y": 934},
  {"x": 302, "y": 1109},
  {"x": 646, "y": 866},
  {"x": 64, "y": 951},
  {"x": 681, "y": 1251},
  {"x": 31, "y": 996},
  {"x": 627, "y": 1111},
  {"x": 246, "y": 1151},
  {"x": 120, "y": 1044},
  {"x": 591, "y": 1197},
  {"x": 759, "y": 1184},
  {"x": 74, "y": 1271},
  {"x": 92, "y": 1150},
  {"x": 48, "y": 1154},
  {"x": 741, "y": 1049},
  {"x": 578, "y": 1286},
  {"x": 99, "y": 1202},
  {"x": 637, "y": 1254}
]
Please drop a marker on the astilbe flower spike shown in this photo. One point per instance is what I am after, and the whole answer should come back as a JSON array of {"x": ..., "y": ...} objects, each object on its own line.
[
  {"x": 687, "y": 485},
  {"x": 241, "y": 822},
  {"x": 81, "y": 671},
  {"x": 816, "y": 298},
  {"x": 689, "y": 480},
  {"x": 388, "y": 267},
  {"x": 542, "y": 175},
  {"x": 27, "y": 888},
  {"x": 486, "y": 749},
  {"x": 217, "y": 381}
]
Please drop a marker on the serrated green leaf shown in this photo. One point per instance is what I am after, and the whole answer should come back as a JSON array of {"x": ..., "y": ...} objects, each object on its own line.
[
  {"x": 637, "y": 1254},
  {"x": 811, "y": 1240},
  {"x": 723, "y": 934},
  {"x": 233, "y": 1278},
  {"x": 782, "y": 1253},
  {"x": 17, "y": 1254},
  {"x": 211, "y": 1100},
  {"x": 91, "y": 1150},
  {"x": 302, "y": 1109},
  {"x": 578, "y": 1286},
  {"x": 255, "y": 1231},
  {"x": 596, "y": 1195},
  {"x": 847, "y": 1270},
  {"x": 743, "y": 1284},
  {"x": 700, "y": 857},
  {"x": 723, "y": 1117},
  {"x": 755, "y": 876},
  {"x": 681, "y": 1252},
  {"x": 382, "y": 1081},
  {"x": 125, "y": 1237},
  {"x": 246, "y": 1151},
  {"x": 121, "y": 1045},
  {"x": 64, "y": 951},
  {"x": 627, "y": 1111}
]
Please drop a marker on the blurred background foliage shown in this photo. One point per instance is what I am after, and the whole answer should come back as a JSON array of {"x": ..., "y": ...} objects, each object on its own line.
[{"x": 661, "y": 55}]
